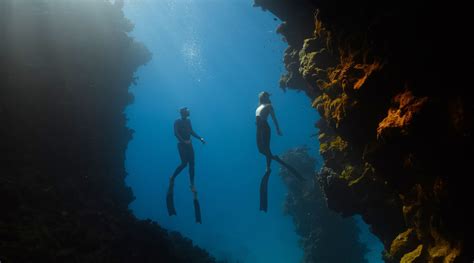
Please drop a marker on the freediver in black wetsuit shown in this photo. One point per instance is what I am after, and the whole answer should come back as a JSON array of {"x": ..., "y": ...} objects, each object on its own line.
[
  {"x": 183, "y": 132},
  {"x": 264, "y": 109}
]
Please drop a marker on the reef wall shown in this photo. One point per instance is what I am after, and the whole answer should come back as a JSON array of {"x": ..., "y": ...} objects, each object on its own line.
[
  {"x": 325, "y": 235},
  {"x": 389, "y": 81},
  {"x": 65, "y": 70}
]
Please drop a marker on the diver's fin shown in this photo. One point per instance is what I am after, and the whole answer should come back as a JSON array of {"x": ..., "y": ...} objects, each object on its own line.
[
  {"x": 197, "y": 211},
  {"x": 290, "y": 168},
  {"x": 170, "y": 201},
  {"x": 263, "y": 192}
]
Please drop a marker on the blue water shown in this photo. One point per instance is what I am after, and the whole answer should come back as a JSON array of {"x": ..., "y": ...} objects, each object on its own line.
[
  {"x": 374, "y": 255},
  {"x": 214, "y": 57}
]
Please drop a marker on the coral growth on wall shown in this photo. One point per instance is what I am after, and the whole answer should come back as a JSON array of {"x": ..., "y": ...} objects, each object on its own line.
[
  {"x": 325, "y": 235},
  {"x": 396, "y": 126},
  {"x": 65, "y": 70}
]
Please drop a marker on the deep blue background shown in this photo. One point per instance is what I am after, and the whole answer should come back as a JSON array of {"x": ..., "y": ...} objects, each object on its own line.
[{"x": 214, "y": 57}]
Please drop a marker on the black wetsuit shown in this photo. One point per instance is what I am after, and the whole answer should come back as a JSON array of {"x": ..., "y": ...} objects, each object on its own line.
[
  {"x": 263, "y": 136},
  {"x": 263, "y": 144},
  {"x": 183, "y": 131}
]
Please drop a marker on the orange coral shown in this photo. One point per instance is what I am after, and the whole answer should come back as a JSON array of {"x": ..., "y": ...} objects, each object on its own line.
[
  {"x": 401, "y": 115},
  {"x": 368, "y": 69}
]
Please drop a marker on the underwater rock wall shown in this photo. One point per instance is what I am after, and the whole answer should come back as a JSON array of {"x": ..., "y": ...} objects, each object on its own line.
[
  {"x": 325, "y": 235},
  {"x": 395, "y": 132},
  {"x": 65, "y": 70}
]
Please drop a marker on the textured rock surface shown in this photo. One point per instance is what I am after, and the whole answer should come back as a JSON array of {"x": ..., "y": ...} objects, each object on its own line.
[
  {"x": 65, "y": 70},
  {"x": 396, "y": 126},
  {"x": 325, "y": 235}
]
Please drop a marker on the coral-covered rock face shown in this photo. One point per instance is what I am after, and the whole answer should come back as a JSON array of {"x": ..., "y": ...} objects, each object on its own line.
[
  {"x": 65, "y": 70},
  {"x": 325, "y": 235},
  {"x": 396, "y": 126}
]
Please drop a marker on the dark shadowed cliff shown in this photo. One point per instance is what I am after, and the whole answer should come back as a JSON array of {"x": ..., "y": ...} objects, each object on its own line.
[
  {"x": 65, "y": 70},
  {"x": 325, "y": 235},
  {"x": 390, "y": 83}
]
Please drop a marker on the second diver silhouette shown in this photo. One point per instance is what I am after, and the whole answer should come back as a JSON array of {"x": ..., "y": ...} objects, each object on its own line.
[
  {"x": 264, "y": 109},
  {"x": 183, "y": 131}
]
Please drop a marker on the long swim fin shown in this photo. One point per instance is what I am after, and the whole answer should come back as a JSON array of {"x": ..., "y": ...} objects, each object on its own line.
[
  {"x": 170, "y": 201},
  {"x": 197, "y": 211},
  {"x": 290, "y": 168},
  {"x": 264, "y": 192}
]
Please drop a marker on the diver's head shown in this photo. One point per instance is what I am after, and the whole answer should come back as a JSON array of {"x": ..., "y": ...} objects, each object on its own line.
[
  {"x": 264, "y": 97},
  {"x": 184, "y": 111}
]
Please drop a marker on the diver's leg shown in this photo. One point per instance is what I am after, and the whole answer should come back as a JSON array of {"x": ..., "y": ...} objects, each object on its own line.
[
  {"x": 264, "y": 148},
  {"x": 289, "y": 167},
  {"x": 175, "y": 174},
  {"x": 269, "y": 163},
  {"x": 169, "y": 194},
  {"x": 190, "y": 157},
  {"x": 263, "y": 142},
  {"x": 266, "y": 135},
  {"x": 197, "y": 207},
  {"x": 260, "y": 144},
  {"x": 191, "y": 176},
  {"x": 184, "y": 161},
  {"x": 177, "y": 171}
]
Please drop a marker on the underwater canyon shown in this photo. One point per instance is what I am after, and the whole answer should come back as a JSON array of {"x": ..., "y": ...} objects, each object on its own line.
[{"x": 395, "y": 132}]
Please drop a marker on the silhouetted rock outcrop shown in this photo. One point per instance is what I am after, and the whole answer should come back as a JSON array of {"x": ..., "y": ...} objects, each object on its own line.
[
  {"x": 325, "y": 235},
  {"x": 65, "y": 70},
  {"x": 389, "y": 81}
]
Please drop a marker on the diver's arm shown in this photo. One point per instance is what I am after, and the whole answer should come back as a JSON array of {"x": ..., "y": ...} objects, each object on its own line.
[
  {"x": 194, "y": 134},
  {"x": 272, "y": 113}
]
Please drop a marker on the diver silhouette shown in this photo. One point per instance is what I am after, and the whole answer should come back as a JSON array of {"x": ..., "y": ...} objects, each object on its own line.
[
  {"x": 264, "y": 109},
  {"x": 183, "y": 132}
]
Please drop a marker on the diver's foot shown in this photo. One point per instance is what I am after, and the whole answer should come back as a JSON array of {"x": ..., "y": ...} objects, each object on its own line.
[{"x": 170, "y": 205}]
